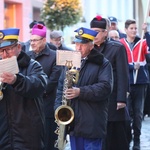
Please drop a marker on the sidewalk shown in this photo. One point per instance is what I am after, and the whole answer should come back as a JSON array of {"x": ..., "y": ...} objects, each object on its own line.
[{"x": 145, "y": 135}]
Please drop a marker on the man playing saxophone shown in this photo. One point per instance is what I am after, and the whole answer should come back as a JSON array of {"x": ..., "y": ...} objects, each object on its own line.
[{"x": 89, "y": 96}]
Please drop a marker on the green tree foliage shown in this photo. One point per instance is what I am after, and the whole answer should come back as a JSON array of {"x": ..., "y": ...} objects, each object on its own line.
[{"x": 58, "y": 14}]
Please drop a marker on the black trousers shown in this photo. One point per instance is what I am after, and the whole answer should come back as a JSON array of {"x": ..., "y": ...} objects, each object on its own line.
[
  {"x": 50, "y": 136},
  {"x": 118, "y": 136}
]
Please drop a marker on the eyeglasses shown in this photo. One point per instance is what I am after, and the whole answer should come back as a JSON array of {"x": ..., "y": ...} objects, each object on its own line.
[
  {"x": 36, "y": 40},
  {"x": 7, "y": 50}
]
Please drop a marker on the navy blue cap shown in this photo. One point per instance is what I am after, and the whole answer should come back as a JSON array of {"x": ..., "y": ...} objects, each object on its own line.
[
  {"x": 84, "y": 35},
  {"x": 113, "y": 19},
  {"x": 8, "y": 37}
]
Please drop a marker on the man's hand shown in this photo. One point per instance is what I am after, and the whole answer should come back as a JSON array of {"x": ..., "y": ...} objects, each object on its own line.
[
  {"x": 8, "y": 78},
  {"x": 72, "y": 93},
  {"x": 136, "y": 66},
  {"x": 144, "y": 27},
  {"x": 120, "y": 105}
]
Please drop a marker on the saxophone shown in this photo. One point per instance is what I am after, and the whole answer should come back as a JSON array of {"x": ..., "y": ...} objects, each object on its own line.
[
  {"x": 1, "y": 93},
  {"x": 64, "y": 114}
]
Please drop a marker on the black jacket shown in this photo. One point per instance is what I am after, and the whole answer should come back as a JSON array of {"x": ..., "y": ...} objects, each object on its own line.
[
  {"x": 47, "y": 58},
  {"x": 91, "y": 107},
  {"x": 115, "y": 52},
  {"x": 21, "y": 109}
]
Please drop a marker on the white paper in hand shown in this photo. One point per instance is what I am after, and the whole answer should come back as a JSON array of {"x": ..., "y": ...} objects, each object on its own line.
[{"x": 9, "y": 65}]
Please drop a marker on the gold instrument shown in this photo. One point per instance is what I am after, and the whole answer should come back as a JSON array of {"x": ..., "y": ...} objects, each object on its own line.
[
  {"x": 64, "y": 114},
  {"x": 1, "y": 93}
]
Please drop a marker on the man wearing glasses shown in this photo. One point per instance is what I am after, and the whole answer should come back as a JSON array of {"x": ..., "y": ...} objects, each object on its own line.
[
  {"x": 21, "y": 115},
  {"x": 47, "y": 58}
]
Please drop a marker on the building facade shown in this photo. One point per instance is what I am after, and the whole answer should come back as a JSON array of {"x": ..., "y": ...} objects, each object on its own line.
[{"x": 20, "y": 13}]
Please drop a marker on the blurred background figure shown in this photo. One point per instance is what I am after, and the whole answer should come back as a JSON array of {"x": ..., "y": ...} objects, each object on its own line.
[
  {"x": 56, "y": 38},
  {"x": 114, "y": 26},
  {"x": 113, "y": 34}
]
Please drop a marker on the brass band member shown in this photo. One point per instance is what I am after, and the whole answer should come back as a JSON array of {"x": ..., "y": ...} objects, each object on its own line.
[
  {"x": 89, "y": 97},
  {"x": 21, "y": 109}
]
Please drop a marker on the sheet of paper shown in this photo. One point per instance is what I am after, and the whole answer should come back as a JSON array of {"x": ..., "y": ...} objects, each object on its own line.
[
  {"x": 9, "y": 65},
  {"x": 65, "y": 56}
]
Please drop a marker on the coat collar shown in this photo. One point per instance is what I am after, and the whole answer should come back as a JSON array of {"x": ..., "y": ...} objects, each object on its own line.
[{"x": 95, "y": 57}]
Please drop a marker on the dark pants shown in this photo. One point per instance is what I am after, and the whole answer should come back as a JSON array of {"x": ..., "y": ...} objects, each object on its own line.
[
  {"x": 51, "y": 137},
  {"x": 147, "y": 102},
  {"x": 136, "y": 106},
  {"x": 79, "y": 143},
  {"x": 117, "y": 136}
]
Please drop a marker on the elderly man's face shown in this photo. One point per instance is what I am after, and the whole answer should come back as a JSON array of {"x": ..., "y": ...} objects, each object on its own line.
[
  {"x": 9, "y": 51},
  {"x": 57, "y": 41},
  {"x": 37, "y": 43},
  {"x": 85, "y": 49}
]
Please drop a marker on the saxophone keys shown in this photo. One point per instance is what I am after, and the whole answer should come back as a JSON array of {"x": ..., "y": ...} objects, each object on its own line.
[
  {"x": 57, "y": 131},
  {"x": 1, "y": 95}
]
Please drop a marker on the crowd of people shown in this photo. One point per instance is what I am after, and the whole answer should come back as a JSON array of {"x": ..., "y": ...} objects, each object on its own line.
[{"x": 108, "y": 100}]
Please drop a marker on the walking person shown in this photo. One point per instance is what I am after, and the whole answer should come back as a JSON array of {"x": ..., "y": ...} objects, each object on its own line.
[
  {"x": 47, "y": 58},
  {"x": 89, "y": 97},
  {"x": 138, "y": 88},
  {"x": 118, "y": 115},
  {"x": 21, "y": 109}
]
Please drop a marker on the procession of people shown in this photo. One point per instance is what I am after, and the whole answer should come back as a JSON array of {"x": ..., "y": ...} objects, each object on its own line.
[{"x": 108, "y": 98}]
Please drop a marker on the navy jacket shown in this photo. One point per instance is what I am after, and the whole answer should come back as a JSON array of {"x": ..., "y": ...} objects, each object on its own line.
[
  {"x": 47, "y": 58},
  {"x": 91, "y": 107},
  {"x": 115, "y": 52},
  {"x": 21, "y": 109}
]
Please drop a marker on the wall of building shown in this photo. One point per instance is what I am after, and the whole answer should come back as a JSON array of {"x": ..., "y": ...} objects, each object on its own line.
[{"x": 19, "y": 14}]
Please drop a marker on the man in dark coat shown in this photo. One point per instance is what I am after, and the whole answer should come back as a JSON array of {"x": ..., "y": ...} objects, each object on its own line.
[
  {"x": 117, "y": 114},
  {"x": 47, "y": 58},
  {"x": 89, "y": 97},
  {"x": 21, "y": 109}
]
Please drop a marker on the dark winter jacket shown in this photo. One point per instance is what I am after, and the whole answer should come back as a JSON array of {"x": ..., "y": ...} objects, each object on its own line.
[
  {"x": 47, "y": 58},
  {"x": 91, "y": 107},
  {"x": 21, "y": 109},
  {"x": 115, "y": 52}
]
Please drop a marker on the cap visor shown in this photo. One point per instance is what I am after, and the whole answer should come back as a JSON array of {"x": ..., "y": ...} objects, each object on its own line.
[
  {"x": 77, "y": 40},
  {"x": 6, "y": 43}
]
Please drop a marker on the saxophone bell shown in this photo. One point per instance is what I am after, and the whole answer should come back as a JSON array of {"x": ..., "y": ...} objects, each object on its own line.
[{"x": 64, "y": 114}]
